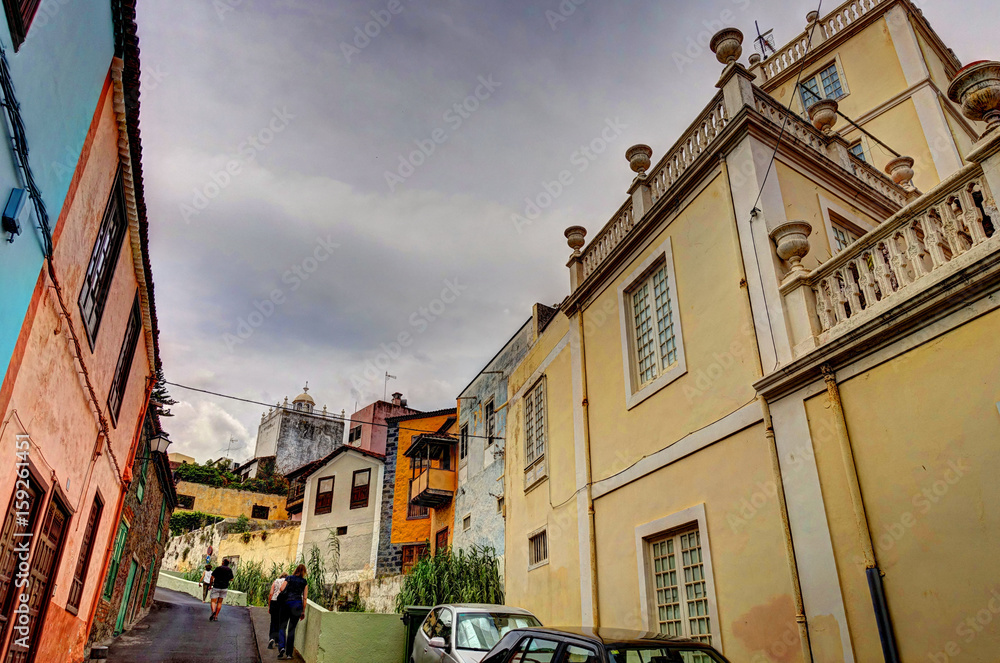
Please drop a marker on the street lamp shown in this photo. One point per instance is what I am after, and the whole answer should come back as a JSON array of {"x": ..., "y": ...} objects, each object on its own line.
[{"x": 157, "y": 444}]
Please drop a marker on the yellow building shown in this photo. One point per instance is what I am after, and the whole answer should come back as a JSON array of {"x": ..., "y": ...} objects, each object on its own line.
[
  {"x": 230, "y": 502},
  {"x": 766, "y": 414}
]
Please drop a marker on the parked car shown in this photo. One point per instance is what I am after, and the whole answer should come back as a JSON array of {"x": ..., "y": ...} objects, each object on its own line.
[
  {"x": 463, "y": 633},
  {"x": 602, "y": 645}
]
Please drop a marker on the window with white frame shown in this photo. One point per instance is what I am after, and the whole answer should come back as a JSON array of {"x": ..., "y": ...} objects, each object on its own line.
[
  {"x": 825, "y": 84},
  {"x": 842, "y": 233},
  {"x": 534, "y": 433},
  {"x": 651, "y": 334},
  {"x": 678, "y": 578},
  {"x": 538, "y": 548}
]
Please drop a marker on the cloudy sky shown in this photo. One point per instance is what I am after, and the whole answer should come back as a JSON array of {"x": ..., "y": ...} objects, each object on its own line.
[{"x": 325, "y": 179}]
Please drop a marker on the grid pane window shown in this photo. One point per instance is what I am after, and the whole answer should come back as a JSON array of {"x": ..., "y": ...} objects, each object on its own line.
[
  {"x": 831, "y": 82},
  {"x": 810, "y": 92},
  {"x": 654, "y": 332},
  {"x": 858, "y": 150},
  {"x": 124, "y": 367},
  {"x": 534, "y": 423},
  {"x": 842, "y": 238},
  {"x": 682, "y": 607}
]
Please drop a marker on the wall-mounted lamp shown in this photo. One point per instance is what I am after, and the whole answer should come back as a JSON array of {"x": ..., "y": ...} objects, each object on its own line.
[
  {"x": 157, "y": 444},
  {"x": 12, "y": 213}
]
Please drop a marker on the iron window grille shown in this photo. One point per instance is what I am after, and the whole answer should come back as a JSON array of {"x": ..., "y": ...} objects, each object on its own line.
[
  {"x": 491, "y": 423},
  {"x": 538, "y": 549}
]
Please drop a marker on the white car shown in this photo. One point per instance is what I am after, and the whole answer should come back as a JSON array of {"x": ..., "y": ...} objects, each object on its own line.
[{"x": 463, "y": 633}]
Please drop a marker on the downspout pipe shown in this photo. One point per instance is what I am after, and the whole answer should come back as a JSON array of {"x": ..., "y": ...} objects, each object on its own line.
[
  {"x": 793, "y": 567},
  {"x": 886, "y": 633},
  {"x": 591, "y": 523}
]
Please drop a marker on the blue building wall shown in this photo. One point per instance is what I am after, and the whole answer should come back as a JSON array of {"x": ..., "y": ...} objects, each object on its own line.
[
  {"x": 480, "y": 479},
  {"x": 58, "y": 74}
]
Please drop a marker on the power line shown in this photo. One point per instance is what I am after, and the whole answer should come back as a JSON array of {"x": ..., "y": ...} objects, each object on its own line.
[{"x": 334, "y": 417}]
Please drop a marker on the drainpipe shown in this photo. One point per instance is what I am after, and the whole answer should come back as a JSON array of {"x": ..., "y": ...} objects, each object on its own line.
[
  {"x": 879, "y": 604},
  {"x": 772, "y": 448},
  {"x": 591, "y": 527}
]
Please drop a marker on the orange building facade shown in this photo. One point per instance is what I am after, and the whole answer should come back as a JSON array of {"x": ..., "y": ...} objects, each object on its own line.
[{"x": 423, "y": 513}]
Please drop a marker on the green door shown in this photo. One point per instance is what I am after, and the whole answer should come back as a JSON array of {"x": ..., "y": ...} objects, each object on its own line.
[{"x": 120, "y": 624}]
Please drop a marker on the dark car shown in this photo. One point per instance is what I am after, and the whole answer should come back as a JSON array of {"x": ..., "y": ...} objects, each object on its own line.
[{"x": 600, "y": 645}]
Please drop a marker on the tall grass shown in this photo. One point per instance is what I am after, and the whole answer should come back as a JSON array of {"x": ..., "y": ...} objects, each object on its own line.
[{"x": 465, "y": 576}]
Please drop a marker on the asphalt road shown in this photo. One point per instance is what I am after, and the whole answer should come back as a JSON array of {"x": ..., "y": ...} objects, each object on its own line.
[{"x": 177, "y": 630}]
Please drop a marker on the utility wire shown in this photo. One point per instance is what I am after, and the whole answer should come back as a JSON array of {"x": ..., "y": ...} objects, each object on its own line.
[{"x": 333, "y": 417}]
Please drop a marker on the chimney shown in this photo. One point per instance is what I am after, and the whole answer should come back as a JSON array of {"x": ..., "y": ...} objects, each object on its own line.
[{"x": 397, "y": 398}]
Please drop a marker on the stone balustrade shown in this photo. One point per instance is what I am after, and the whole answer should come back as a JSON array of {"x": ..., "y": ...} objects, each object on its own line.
[
  {"x": 944, "y": 231},
  {"x": 833, "y": 23}
]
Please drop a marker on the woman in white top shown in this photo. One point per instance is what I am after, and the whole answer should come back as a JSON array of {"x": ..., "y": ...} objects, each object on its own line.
[
  {"x": 274, "y": 608},
  {"x": 206, "y": 581}
]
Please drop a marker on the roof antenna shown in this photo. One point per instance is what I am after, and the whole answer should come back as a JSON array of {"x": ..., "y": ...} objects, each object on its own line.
[{"x": 764, "y": 42}]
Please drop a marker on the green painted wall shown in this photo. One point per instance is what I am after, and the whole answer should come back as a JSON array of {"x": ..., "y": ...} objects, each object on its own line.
[{"x": 349, "y": 637}]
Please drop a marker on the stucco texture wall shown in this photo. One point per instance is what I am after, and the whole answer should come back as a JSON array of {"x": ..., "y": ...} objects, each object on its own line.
[
  {"x": 63, "y": 438},
  {"x": 349, "y": 637},
  {"x": 709, "y": 312},
  {"x": 356, "y": 549},
  {"x": 551, "y": 591},
  {"x": 923, "y": 428},
  {"x": 268, "y": 546},
  {"x": 406, "y": 530},
  {"x": 231, "y": 503}
]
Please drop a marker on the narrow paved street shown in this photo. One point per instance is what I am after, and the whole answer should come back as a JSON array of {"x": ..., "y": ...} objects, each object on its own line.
[{"x": 177, "y": 630}]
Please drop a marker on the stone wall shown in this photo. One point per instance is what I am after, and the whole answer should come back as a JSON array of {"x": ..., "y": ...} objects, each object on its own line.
[
  {"x": 480, "y": 480},
  {"x": 141, "y": 547},
  {"x": 304, "y": 437},
  {"x": 189, "y": 550},
  {"x": 376, "y": 595},
  {"x": 390, "y": 557}
]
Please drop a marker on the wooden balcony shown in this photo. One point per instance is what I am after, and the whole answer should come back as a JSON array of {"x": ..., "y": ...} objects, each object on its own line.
[
  {"x": 296, "y": 492},
  {"x": 433, "y": 487}
]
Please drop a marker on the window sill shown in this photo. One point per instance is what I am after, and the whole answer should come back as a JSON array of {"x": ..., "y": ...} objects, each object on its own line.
[
  {"x": 532, "y": 567},
  {"x": 634, "y": 397}
]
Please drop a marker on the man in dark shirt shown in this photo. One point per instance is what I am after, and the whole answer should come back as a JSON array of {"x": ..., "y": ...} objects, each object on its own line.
[{"x": 221, "y": 577}]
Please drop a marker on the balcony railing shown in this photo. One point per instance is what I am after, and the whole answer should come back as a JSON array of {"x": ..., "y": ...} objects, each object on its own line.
[
  {"x": 661, "y": 177},
  {"x": 945, "y": 231},
  {"x": 432, "y": 488},
  {"x": 831, "y": 24},
  {"x": 296, "y": 492}
]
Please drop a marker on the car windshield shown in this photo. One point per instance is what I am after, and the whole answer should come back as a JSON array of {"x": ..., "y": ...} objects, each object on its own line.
[
  {"x": 479, "y": 631},
  {"x": 654, "y": 654}
]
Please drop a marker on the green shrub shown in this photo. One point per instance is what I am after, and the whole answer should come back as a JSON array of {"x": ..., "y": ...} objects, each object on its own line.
[
  {"x": 186, "y": 521},
  {"x": 270, "y": 484},
  {"x": 465, "y": 576},
  {"x": 241, "y": 525}
]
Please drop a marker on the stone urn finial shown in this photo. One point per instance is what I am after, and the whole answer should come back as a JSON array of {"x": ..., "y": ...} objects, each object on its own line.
[
  {"x": 977, "y": 88},
  {"x": 727, "y": 44},
  {"x": 638, "y": 158},
  {"x": 754, "y": 59},
  {"x": 574, "y": 237},
  {"x": 823, "y": 115},
  {"x": 812, "y": 17},
  {"x": 900, "y": 170},
  {"x": 792, "y": 242}
]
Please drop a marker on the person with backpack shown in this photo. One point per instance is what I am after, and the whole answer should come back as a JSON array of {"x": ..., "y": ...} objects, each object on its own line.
[{"x": 295, "y": 589}]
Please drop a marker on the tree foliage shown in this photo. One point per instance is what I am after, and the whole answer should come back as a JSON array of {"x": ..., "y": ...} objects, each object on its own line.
[
  {"x": 209, "y": 475},
  {"x": 185, "y": 521}
]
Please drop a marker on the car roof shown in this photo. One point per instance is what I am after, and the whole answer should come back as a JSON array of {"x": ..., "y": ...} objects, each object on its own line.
[
  {"x": 616, "y": 636},
  {"x": 485, "y": 607}
]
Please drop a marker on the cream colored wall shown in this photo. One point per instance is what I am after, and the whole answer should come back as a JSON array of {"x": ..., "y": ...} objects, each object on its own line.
[
  {"x": 923, "y": 428},
  {"x": 869, "y": 65},
  {"x": 801, "y": 197},
  {"x": 272, "y": 546},
  {"x": 356, "y": 545},
  {"x": 231, "y": 503},
  {"x": 551, "y": 591},
  {"x": 718, "y": 342},
  {"x": 744, "y": 535}
]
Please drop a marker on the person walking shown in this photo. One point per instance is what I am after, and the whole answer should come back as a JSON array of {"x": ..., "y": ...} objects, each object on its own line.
[
  {"x": 274, "y": 608},
  {"x": 296, "y": 590},
  {"x": 221, "y": 577},
  {"x": 206, "y": 582}
]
